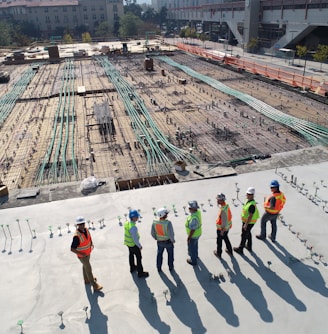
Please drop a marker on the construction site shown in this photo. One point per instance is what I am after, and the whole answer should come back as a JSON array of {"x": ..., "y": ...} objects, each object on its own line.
[{"x": 139, "y": 119}]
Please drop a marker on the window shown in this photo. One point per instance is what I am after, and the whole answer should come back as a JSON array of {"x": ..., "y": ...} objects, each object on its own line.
[
  {"x": 102, "y": 17},
  {"x": 47, "y": 18},
  {"x": 64, "y": 9},
  {"x": 56, "y": 19},
  {"x": 85, "y": 17}
]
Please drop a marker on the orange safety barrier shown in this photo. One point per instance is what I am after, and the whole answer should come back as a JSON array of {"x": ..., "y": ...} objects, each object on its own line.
[{"x": 274, "y": 73}]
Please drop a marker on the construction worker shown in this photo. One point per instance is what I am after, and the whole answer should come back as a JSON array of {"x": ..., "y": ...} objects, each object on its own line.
[
  {"x": 82, "y": 246},
  {"x": 273, "y": 205},
  {"x": 249, "y": 216},
  {"x": 194, "y": 231},
  {"x": 223, "y": 225},
  {"x": 131, "y": 239},
  {"x": 162, "y": 231}
]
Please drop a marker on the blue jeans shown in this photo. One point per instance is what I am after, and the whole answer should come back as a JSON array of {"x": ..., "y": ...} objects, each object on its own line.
[
  {"x": 273, "y": 220},
  {"x": 168, "y": 245},
  {"x": 193, "y": 250}
]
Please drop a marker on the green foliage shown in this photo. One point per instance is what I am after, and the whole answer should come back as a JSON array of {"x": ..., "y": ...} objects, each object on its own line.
[
  {"x": 104, "y": 29},
  {"x": 253, "y": 44},
  {"x": 86, "y": 38},
  {"x": 129, "y": 25},
  {"x": 68, "y": 39},
  {"x": 301, "y": 51},
  {"x": 5, "y": 33},
  {"x": 322, "y": 54},
  {"x": 134, "y": 9}
]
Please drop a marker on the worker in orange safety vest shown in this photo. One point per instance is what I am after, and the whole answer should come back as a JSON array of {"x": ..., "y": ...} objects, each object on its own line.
[
  {"x": 223, "y": 225},
  {"x": 272, "y": 206},
  {"x": 82, "y": 246}
]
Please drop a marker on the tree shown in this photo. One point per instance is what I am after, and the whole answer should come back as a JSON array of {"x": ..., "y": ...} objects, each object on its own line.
[
  {"x": 321, "y": 55},
  {"x": 162, "y": 15},
  {"x": 6, "y": 33},
  {"x": 68, "y": 39},
  {"x": 149, "y": 15},
  {"x": 86, "y": 38},
  {"x": 134, "y": 9},
  {"x": 253, "y": 44},
  {"x": 129, "y": 25},
  {"x": 301, "y": 51},
  {"x": 104, "y": 29}
]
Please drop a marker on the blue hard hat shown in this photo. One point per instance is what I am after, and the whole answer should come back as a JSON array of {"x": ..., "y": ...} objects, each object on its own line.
[
  {"x": 274, "y": 183},
  {"x": 134, "y": 214}
]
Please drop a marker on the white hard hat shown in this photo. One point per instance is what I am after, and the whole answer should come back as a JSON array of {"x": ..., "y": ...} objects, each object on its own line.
[
  {"x": 250, "y": 191},
  {"x": 221, "y": 197},
  {"x": 162, "y": 212},
  {"x": 193, "y": 205},
  {"x": 80, "y": 220}
]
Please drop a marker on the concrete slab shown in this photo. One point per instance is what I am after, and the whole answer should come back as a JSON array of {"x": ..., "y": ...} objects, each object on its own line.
[{"x": 281, "y": 286}]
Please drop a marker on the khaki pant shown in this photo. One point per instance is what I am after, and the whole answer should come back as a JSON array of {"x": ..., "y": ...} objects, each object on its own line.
[{"x": 87, "y": 270}]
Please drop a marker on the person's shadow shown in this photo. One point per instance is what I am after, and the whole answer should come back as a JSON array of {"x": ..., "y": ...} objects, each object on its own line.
[
  {"x": 216, "y": 295},
  {"x": 308, "y": 275},
  {"x": 148, "y": 306},
  {"x": 184, "y": 308},
  {"x": 250, "y": 290},
  {"x": 97, "y": 321},
  {"x": 276, "y": 283}
]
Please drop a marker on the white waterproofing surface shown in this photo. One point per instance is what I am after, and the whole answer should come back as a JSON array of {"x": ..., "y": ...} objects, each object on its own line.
[{"x": 280, "y": 287}]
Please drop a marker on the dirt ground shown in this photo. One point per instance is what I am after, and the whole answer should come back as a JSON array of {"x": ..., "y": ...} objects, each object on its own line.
[{"x": 214, "y": 127}]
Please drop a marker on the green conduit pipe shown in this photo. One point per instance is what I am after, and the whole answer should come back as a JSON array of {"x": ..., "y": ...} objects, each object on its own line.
[
  {"x": 315, "y": 134},
  {"x": 149, "y": 138},
  {"x": 8, "y": 101}
]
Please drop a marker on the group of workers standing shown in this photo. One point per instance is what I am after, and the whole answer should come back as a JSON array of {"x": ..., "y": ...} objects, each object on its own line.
[{"x": 162, "y": 231}]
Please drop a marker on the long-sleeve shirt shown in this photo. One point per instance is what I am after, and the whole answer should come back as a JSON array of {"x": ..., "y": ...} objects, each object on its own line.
[{"x": 134, "y": 235}]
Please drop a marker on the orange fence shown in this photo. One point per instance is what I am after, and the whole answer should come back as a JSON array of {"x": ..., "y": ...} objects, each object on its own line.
[{"x": 274, "y": 73}]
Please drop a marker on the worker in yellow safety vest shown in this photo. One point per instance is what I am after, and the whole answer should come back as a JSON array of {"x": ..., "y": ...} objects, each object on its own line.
[
  {"x": 249, "y": 217},
  {"x": 162, "y": 231},
  {"x": 273, "y": 204},
  {"x": 194, "y": 231},
  {"x": 131, "y": 239}
]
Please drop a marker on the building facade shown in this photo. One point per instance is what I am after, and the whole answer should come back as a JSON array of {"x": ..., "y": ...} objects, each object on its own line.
[
  {"x": 275, "y": 24},
  {"x": 50, "y": 16}
]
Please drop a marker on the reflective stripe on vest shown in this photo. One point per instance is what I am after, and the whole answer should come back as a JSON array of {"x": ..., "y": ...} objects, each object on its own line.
[
  {"x": 227, "y": 210},
  {"x": 128, "y": 240},
  {"x": 198, "y": 230},
  {"x": 245, "y": 212},
  {"x": 161, "y": 230},
  {"x": 84, "y": 243},
  {"x": 280, "y": 202}
]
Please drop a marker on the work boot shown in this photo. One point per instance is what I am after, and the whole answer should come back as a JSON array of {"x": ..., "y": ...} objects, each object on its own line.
[
  {"x": 249, "y": 249},
  {"x": 143, "y": 274},
  {"x": 229, "y": 253},
  {"x": 260, "y": 237},
  {"x": 217, "y": 254},
  {"x": 97, "y": 287},
  {"x": 238, "y": 250}
]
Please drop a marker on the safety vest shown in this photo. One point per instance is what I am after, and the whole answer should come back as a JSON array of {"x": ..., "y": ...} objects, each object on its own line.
[
  {"x": 245, "y": 212},
  {"x": 280, "y": 202},
  {"x": 161, "y": 229},
  {"x": 227, "y": 210},
  {"x": 198, "y": 230},
  {"x": 128, "y": 240},
  {"x": 85, "y": 243}
]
